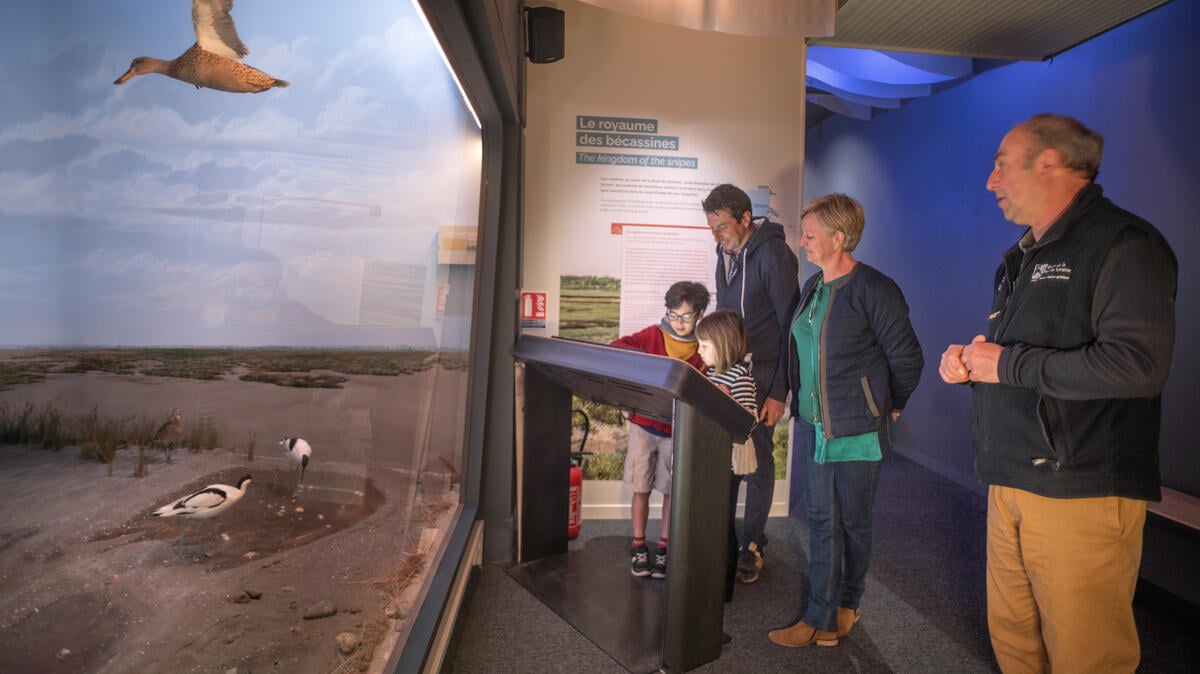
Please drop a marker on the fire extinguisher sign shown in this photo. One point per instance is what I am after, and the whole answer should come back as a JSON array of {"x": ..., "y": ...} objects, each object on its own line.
[{"x": 533, "y": 310}]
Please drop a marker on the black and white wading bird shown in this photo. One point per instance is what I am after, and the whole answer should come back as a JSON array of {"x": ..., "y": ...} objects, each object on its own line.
[
  {"x": 203, "y": 504},
  {"x": 170, "y": 434},
  {"x": 299, "y": 452}
]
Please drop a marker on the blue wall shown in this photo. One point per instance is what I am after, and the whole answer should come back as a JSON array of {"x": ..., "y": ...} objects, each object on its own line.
[{"x": 931, "y": 224}]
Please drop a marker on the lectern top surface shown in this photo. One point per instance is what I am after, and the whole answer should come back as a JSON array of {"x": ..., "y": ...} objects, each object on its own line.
[{"x": 632, "y": 380}]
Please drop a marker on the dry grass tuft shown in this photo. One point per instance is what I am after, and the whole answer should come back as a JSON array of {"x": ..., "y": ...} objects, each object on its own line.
[
  {"x": 46, "y": 426},
  {"x": 141, "y": 468},
  {"x": 203, "y": 435},
  {"x": 394, "y": 583},
  {"x": 98, "y": 436}
]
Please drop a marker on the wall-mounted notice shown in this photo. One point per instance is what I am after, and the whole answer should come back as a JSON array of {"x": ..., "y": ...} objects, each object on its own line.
[
  {"x": 533, "y": 310},
  {"x": 652, "y": 258}
]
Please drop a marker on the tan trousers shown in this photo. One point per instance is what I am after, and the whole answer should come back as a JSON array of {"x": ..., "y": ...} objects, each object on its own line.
[{"x": 1061, "y": 575}]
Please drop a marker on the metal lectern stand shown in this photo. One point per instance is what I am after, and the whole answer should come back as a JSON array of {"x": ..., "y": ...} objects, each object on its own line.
[{"x": 705, "y": 420}]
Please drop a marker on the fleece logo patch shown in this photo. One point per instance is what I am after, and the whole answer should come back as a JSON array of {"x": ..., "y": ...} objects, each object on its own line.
[{"x": 1050, "y": 271}]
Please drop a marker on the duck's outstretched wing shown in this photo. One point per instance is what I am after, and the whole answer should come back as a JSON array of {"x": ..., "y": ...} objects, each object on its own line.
[{"x": 214, "y": 27}]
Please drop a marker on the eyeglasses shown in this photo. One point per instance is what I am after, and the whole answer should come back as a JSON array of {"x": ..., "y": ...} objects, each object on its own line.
[{"x": 686, "y": 318}]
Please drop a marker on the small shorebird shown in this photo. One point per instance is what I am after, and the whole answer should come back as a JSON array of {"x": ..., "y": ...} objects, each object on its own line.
[
  {"x": 170, "y": 434},
  {"x": 203, "y": 504},
  {"x": 299, "y": 452},
  {"x": 215, "y": 61}
]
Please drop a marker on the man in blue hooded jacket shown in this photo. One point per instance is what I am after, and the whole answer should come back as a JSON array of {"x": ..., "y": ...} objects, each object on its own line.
[{"x": 757, "y": 276}]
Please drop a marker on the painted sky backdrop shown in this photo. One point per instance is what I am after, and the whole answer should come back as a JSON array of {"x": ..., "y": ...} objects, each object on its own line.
[{"x": 155, "y": 213}]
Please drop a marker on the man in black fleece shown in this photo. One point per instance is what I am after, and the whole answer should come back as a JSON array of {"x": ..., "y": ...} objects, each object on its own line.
[
  {"x": 1067, "y": 389},
  {"x": 757, "y": 277}
]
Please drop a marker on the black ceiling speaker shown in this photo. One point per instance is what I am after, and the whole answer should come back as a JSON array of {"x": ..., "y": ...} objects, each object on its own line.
[{"x": 544, "y": 31}]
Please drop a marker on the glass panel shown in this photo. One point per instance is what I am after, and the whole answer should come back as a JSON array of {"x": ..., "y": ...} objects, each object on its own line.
[{"x": 201, "y": 284}]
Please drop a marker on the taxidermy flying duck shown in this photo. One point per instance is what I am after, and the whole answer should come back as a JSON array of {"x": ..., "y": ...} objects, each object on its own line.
[{"x": 215, "y": 61}]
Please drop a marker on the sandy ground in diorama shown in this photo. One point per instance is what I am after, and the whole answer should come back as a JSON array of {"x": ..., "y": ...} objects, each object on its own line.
[{"x": 89, "y": 582}]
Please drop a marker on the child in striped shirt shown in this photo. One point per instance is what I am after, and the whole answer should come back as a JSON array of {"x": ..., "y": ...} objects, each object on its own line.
[{"x": 723, "y": 344}]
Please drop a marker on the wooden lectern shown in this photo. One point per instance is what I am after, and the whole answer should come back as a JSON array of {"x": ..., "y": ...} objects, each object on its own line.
[{"x": 705, "y": 420}]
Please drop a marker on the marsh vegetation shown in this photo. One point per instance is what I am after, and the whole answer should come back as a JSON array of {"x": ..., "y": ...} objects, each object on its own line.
[{"x": 300, "y": 368}]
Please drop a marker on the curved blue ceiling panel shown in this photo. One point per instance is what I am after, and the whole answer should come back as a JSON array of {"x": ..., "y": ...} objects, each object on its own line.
[
  {"x": 841, "y": 106},
  {"x": 859, "y": 83},
  {"x": 890, "y": 67},
  {"x": 871, "y": 101},
  {"x": 949, "y": 67},
  {"x": 834, "y": 78}
]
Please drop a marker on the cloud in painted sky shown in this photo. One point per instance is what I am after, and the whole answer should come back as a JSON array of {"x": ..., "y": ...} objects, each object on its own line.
[{"x": 35, "y": 157}]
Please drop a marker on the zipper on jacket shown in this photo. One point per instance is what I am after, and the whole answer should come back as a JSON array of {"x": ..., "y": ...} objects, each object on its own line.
[
  {"x": 866, "y": 387},
  {"x": 822, "y": 360},
  {"x": 1039, "y": 461}
]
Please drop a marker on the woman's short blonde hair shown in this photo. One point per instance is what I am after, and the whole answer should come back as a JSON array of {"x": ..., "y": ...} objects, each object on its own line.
[{"x": 839, "y": 213}]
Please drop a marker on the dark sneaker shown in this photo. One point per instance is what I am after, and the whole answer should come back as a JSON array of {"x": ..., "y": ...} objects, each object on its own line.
[
  {"x": 749, "y": 564},
  {"x": 660, "y": 563},
  {"x": 639, "y": 562}
]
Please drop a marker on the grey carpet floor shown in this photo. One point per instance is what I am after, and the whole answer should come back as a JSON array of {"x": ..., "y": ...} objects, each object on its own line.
[{"x": 924, "y": 610}]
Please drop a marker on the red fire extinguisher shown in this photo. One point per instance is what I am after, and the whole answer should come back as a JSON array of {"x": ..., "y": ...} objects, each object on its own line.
[{"x": 575, "y": 499}]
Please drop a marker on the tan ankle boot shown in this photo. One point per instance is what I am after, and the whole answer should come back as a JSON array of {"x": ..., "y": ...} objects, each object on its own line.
[
  {"x": 846, "y": 618},
  {"x": 802, "y": 634}
]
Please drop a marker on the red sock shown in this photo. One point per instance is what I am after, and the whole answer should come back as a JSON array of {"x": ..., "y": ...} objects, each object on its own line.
[
  {"x": 639, "y": 542},
  {"x": 662, "y": 543}
]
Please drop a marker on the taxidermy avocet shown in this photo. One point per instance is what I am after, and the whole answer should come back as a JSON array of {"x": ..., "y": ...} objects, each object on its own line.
[
  {"x": 203, "y": 504},
  {"x": 299, "y": 452}
]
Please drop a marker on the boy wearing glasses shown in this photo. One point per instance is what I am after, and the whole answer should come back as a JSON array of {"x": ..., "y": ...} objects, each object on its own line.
[{"x": 648, "y": 461}]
